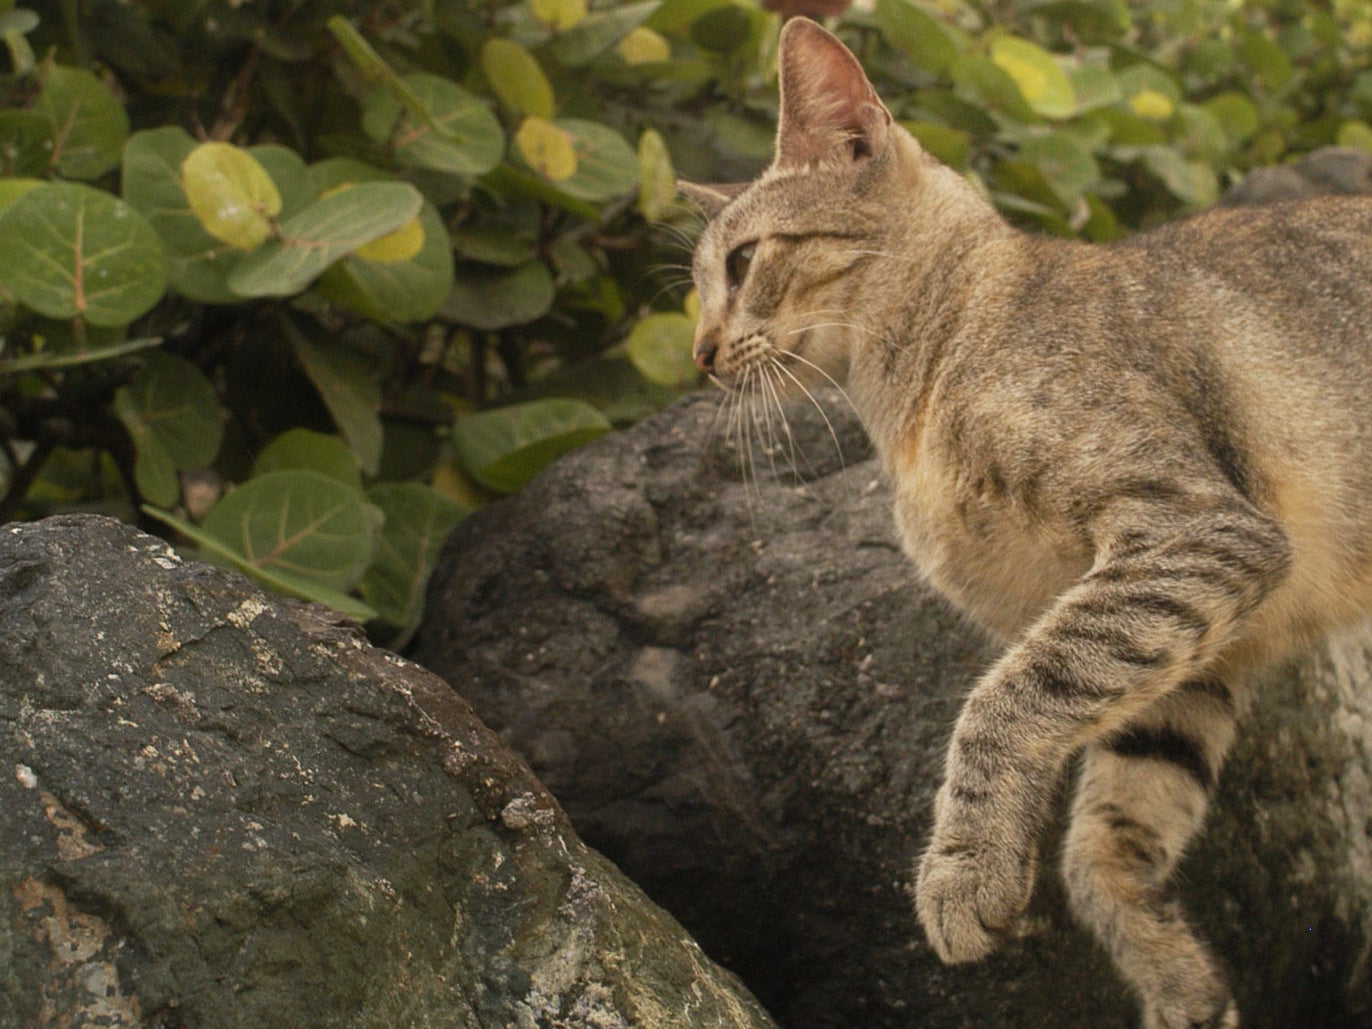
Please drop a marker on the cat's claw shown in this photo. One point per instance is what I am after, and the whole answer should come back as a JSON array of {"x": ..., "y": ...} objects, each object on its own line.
[{"x": 968, "y": 899}]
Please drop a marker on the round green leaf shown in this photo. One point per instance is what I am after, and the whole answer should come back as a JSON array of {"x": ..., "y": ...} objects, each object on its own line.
[
  {"x": 418, "y": 519},
  {"x": 396, "y": 291},
  {"x": 169, "y": 401},
  {"x": 504, "y": 448},
  {"x": 301, "y": 523},
  {"x": 231, "y": 193},
  {"x": 1192, "y": 181},
  {"x": 68, "y": 251},
  {"x": 459, "y": 135},
  {"x": 1236, "y": 113},
  {"x": 606, "y": 165},
  {"x": 323, "y": 232},
  {"x": 26, "y": 142},
  {"x": 930, "y": 43},
  {"x": 1067, "y": 167},
  {"x": 198, "y": 265},
  {"x": 517, "y": 78},
  {"x": 89, "y": 123},
  {"x": 305, "y": 449},
  {"x": 1041, "y": 81},
  {"x": 486, "y": 299},
  {"x": 660, "y": 347}
]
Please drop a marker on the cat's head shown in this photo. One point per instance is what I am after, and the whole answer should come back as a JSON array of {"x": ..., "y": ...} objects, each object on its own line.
[{"x": 786, "y": 263}]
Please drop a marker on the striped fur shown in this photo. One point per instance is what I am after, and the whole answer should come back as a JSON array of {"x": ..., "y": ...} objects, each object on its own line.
[{"x": 1147, "y": 467}]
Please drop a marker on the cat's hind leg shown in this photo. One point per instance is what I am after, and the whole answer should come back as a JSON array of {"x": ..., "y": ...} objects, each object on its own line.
[{"x": 1142, "y": 796}]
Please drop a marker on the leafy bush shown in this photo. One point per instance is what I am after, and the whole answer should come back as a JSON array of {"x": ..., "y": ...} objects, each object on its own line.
[{"x": 301, "y": 281}]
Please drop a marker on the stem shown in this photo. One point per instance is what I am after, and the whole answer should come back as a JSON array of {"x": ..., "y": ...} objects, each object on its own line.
[{"x": 24, "y": 476}]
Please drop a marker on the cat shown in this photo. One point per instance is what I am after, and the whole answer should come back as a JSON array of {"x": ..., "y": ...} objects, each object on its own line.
[{"x": 1146, "y": 466}]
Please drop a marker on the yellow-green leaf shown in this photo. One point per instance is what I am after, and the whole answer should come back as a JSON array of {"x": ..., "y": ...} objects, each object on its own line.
[
  {"x": 1152, "y": 105},
  {"x": 1044, "y": 85},
  {"x": 547, "y": 148},
  {"x": 230, "y": 193},
  {"x": 643, "y": 46},
  {"x": 517, "y": 78},
  {"x": 656, "y": 179},
  {"x": 558, "y": 15},
  {"x": 394, "y": 247}
]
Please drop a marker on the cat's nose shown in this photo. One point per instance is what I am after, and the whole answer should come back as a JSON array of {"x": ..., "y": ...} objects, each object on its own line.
[{"x": 705, "y": 351}]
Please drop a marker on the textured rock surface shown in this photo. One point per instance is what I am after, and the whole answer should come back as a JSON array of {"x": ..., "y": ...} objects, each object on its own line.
[
  {"x": 1336, "y": 170},
  {"x": 223, "y": 809},
  {"x": 740, "y": 693}
]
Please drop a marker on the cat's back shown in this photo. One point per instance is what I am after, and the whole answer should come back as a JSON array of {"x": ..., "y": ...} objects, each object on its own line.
[{"x": 1236, "y": 344}]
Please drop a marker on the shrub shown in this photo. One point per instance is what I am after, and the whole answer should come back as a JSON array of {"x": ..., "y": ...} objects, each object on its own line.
[{"x": 300, "y": 282}]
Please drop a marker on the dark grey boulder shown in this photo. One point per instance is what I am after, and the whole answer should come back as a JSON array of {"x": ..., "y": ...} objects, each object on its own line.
[
  {"x": 223, "y": 809},
  {"x": 739, "y": 693},
  {"x": 1328, "y": 170}
]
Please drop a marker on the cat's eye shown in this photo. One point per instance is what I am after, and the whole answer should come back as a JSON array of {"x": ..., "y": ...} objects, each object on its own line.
[{"x": 736, "y": 264}]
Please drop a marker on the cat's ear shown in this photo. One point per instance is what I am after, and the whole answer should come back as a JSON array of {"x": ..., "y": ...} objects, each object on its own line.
[
  {"x": 828, "y": 108},
  {"x": 710, "y": 199}
]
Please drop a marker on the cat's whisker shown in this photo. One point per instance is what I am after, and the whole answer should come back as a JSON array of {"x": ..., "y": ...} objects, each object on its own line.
[
  {"x": 833, "y": 434},
  {"x": 773, "y": 380}
]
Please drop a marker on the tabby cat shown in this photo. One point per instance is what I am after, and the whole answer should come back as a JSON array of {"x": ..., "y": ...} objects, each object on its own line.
[{"x": 1146, "y": 466}]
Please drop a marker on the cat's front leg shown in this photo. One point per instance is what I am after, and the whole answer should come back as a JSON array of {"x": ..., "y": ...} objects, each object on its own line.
[{"x": 1171, "y": 588}]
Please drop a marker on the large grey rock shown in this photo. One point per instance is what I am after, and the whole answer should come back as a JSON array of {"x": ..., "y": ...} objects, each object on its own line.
[
  {"x": 220, "y": 809},
  {"x": 1328, "y": 170},
  {"x": 740, "y": 693}
]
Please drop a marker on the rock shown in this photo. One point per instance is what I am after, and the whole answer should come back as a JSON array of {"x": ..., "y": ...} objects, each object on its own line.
[
  {"x": 1328, "y": 170},
  {"x": 739, "y": 692},
  {"x": 219, "y": 808}
]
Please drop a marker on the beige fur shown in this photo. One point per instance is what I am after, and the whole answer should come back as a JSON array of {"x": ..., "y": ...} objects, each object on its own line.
[{"x": 1147, "y": 467}]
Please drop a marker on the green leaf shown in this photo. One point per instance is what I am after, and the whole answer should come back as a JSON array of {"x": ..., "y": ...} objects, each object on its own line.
[
  {"x": 491, "y": 244},
  {"x": 397, "y": 291},
  {"x": 457, "y": 134},
  {"x": 170, "y": 400},
  {"x": 660, "y": 347},
  {"x": 68, "y": 250},
  {"x": 323, "y": 232},
  {"x": 418, "y": 519},
  {"x": 350, "y": 390},
  {"x": 1067, "y": 167},
  {"x": 26, "y": 142},
  {"x": 486, "y": 299},
  {"x": 951, "y": 146},
  {"x": 89, "y": 123},
  {"x": 546, "y": 148},
  {"x": 1266, "y": 59},
  {"x": 517, "y": 78},
  {"x": 992, "y": 85},
  {"x": 1041, "y": 80},
  {"x": 376, "y": 71},
  {"x": 593, "y": 35},
  {"x": 230, "y": 193},
  {"x": 504, "y": 448},
  {"x": 305, "y": 449},
  {"x": 606, "y": 165},
  {"x": 198, "y": 265},
  {"x": 1192, "y": 181},
  {"x": 928, "y": 42},
  {"x": 1236, "y": 113},
  {"x": 301, "y": 523},
  {"x": 288, "y": 172}
]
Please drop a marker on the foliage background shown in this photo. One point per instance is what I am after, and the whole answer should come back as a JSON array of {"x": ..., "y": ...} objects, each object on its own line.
[{"x": 300, "y": 282}]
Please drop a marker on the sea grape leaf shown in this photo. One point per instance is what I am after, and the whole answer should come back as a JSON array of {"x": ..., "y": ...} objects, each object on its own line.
[
  {"x": 490, "y": 299},
  {"x": 230, "y": 193},
  {"x": 660, "y": 347},
  {"x": 297, "y": 449},
  {"x": 323, "y": 232},
  {"x": 418, "y": 519},
  {"x": 1041, "y": 80},
  {"x": 69, "y": 250},
  {"x": 502, "y": 449},
  {"x": 517, "y": 78},
  {"x": 592, "y": 35},
  {"x": 349, "y": 389},
  {"x": 198, "y": 265},
  {"x": 457, "y": 135},
  {"x": 89, "y": 123}
]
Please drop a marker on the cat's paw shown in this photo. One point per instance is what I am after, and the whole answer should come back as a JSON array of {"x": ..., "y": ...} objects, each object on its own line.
[{"x": 969, "y": 897}]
